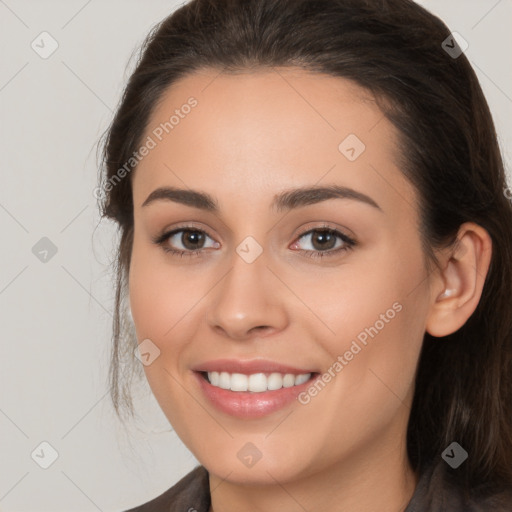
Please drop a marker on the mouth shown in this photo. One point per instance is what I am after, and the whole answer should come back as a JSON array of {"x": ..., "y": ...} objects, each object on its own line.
[
  {"x": 259, "y": 382},
  {"x": 258, "y": 392}
]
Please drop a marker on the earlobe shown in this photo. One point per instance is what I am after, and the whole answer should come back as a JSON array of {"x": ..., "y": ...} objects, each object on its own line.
[{"x": 461, "y": 281}]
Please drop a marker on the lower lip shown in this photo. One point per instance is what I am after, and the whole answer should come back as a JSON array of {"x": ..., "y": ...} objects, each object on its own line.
[{"x": 250, "y": 405}]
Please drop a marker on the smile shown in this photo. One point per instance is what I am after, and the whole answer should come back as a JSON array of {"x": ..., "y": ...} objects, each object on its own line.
[{"x": 255, "y": 382}]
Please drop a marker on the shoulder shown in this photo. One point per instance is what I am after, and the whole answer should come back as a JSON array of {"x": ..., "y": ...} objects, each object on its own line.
[
  {"x": 434, "y": 494},
  {"x": 497, "y": 502},
  {"x": 190, "y": 494}
]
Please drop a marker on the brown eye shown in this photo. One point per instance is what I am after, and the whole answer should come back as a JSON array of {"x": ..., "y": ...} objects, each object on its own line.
[
  {"x": 185, "y": 241},
  {"x": 190, "y": 239},
  {"x": 325, "y": 242}
]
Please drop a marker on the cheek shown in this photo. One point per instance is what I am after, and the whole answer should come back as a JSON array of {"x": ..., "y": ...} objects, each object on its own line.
[
  {"x": 159, "y": 295},
  {"x": 367, "y": 292},
  {"x": 157, "y": 307},
  {"x": 376, "y": 316}
]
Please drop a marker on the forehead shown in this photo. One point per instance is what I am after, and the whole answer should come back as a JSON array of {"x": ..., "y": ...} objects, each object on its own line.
[{"x": 262, "y": 131}]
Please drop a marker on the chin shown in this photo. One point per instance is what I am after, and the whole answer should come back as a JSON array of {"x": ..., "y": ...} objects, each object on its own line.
[{"x": 264, "y": 471}]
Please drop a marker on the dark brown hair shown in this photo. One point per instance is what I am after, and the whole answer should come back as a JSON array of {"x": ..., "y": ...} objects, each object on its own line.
[{"x": 449, "y": 152}]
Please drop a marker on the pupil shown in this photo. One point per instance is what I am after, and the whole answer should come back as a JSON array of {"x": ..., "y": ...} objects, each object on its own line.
[
  {"x": 322, "y": 237},
  {"x": 190, "y": 239}
]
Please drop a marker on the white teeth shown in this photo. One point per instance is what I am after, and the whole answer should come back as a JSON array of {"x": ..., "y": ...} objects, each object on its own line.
[
  {"x": 224, "y": 380},
  {"x": 239, "y": 382},
  {"x": 214, "y": 378},
  {"x": 256, "y": 382},
  {"x": 274, "y": 381},
  {"x": 288, "y": 380},
  {"x": 300, "y": 379}
]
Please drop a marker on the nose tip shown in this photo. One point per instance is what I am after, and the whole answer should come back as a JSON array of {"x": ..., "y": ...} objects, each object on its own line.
[{"x": 240, "y": 331}]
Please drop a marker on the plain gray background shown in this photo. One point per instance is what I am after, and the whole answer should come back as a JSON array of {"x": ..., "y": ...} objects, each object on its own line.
[{"x": 56, "y": 314}]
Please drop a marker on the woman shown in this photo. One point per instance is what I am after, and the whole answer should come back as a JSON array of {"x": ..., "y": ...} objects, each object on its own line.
[{"x": 315, "y": 247}]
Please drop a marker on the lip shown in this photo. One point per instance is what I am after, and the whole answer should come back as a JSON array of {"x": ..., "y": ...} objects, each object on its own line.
[
  {"x": 247, "y": 404},
  {"x": 248, "y": 367}
]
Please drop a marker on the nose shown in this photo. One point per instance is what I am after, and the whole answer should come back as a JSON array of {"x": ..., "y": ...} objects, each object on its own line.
[{"x": 247, "y": 302}]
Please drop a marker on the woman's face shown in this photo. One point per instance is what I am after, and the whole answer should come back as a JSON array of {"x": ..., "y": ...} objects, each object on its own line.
[{"x": 272, "y": 290}]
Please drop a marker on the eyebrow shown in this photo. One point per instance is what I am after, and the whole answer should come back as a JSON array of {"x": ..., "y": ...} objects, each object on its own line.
[{"x": 287, "y": 200}]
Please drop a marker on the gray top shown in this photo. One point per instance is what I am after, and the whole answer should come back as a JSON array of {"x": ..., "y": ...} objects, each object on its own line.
[{"x": 192, "y": 494}]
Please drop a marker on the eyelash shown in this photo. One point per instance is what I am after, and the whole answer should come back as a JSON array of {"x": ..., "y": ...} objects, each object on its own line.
[{"x": 349, "y": 242}]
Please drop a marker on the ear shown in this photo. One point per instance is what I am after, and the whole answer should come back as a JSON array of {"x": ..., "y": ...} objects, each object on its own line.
[{"x": 456, "y": 291}]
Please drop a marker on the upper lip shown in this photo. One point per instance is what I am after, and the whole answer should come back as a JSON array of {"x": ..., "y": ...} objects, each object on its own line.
[{"x": 248, "y": 367}]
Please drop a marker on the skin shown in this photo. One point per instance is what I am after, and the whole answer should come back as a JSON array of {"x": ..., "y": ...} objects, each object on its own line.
[{"x": 251, "y": 136}]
